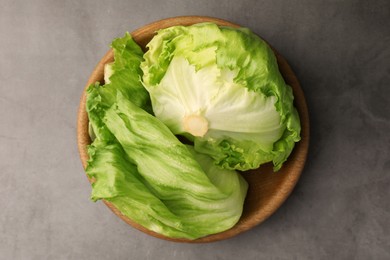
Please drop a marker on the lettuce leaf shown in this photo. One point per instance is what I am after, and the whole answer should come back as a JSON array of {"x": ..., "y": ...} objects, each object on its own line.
[
  {"x": 123, "y": 75},
  {"x": 157, "y": 181}
]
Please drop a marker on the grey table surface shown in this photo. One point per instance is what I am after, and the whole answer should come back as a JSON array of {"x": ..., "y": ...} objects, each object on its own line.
[{"x": 340, "y": 51}]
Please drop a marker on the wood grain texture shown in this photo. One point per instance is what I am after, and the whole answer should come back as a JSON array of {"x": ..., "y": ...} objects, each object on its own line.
[{"x": 267, "y": 190}]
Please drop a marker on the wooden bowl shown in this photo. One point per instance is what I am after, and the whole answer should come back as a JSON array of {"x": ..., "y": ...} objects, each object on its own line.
[{"x": 267, "y": 190}]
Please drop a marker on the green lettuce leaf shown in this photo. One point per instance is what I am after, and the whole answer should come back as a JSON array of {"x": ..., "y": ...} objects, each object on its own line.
[
  {"x": 157, "y": 181},
  {"x": 123, "y": 75}
]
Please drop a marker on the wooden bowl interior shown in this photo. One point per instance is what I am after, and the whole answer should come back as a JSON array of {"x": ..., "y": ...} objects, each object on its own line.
[{"x": 267, "y": 190}]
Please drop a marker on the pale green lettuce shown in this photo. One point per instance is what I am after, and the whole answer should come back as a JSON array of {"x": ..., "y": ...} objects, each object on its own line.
[{"x": 221, "y": 88}]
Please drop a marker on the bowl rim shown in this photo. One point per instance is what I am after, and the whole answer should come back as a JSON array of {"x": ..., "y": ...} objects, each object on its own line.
[{"x": 300, "y": 150}]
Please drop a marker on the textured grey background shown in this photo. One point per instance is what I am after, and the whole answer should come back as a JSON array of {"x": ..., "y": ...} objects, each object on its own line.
[{"x": 340, "y": 51}]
